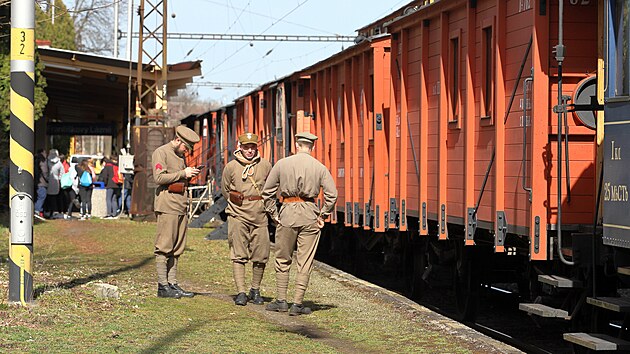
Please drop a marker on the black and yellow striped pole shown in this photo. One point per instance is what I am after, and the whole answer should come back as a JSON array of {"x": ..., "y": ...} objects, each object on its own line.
[{"x": 21, "y": 150}]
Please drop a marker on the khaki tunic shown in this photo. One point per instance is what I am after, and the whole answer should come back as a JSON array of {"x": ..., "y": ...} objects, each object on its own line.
[
  {"x": 299, "y": 175},
  {"x": 252, "y": 211},
  {"x": 168, "y": 168}
]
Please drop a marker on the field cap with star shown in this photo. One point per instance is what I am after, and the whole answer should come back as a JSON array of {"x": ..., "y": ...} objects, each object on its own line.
[
  {"x": 187, "y": 136},
  {"x": 248, "y": 138}
]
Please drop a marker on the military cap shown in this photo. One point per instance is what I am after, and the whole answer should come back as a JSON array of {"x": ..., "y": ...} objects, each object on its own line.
[
  {"x": 306, "y": 137},
  {"x": 248, "y": 138},
  {"x": 187, "y": 136}
]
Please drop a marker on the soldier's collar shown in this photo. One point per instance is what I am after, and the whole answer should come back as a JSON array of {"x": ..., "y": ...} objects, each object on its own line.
[{"x": 238, "y": 154}]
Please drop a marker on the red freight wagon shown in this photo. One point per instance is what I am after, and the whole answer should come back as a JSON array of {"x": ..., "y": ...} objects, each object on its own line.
[
  {"x": 467, "y": 91},
  {"x": 441, "y": 123}
]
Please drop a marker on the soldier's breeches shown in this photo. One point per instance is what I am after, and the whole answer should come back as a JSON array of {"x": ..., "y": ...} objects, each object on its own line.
[
  {"x": 285, "y": 244},
  {"x": 238, "y": 271},
  {"x": 258, "y": 270},
  {"x": 307, "y": 241},
  {"x": 171, "y": 234},
  {"x": 162, "y": 273},
  {"x": 306, "y": 238},
  {"x": 301, "y": 283},
  {"x": 247, "y": 242}
]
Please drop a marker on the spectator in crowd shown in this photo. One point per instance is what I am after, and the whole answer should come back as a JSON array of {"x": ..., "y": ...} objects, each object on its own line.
[
  {"x": 41, "y": 178},
  {"x": 55, "y": 168},
  {"x": 126, "y": 193},
  {"x": 110, "y": 176},
  {"x": 85, "y": 174},
  {"x": 70, "y": 192},
  {"x": 64, "y": 162},
  {"x": 98, "y": 164}
]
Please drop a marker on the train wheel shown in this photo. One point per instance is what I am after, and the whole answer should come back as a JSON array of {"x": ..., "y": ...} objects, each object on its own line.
[
  {"x": 467, "y": 283},
  {"x": 419, "y": 264}
]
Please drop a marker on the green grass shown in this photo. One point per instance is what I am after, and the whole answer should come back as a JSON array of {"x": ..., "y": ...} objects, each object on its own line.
[{"x": 68, "y": 317}]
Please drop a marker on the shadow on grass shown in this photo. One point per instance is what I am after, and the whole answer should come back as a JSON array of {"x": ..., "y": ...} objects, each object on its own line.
[
  {"x": 305, "y": 331},
  {"x": 319, "y": 307},
  {"x": 163, "y": 344},
  {"x": 96, "y": 276}
]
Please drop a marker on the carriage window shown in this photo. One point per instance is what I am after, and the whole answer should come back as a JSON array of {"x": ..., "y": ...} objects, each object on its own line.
[
  {"x": 621, "y": 66},
  {"x": 487, "y": 84}
]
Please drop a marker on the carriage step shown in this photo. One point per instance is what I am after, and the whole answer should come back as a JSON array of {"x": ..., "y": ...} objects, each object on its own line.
[
  {"x": 595, "y": 341},
  {"x": 559, "y": 282},
  {"x": 220, "y": 233},
  {"x": 543, "y": 310},
  {"x": 617, "y": 304},
  {"x": 623, "y": 270}
]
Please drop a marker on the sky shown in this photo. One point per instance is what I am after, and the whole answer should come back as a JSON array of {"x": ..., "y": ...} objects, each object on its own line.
[{"x": 259, "y": 62}]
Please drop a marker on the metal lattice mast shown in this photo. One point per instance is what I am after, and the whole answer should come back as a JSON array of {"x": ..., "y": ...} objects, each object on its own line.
[{"x": 152, "y": 60}]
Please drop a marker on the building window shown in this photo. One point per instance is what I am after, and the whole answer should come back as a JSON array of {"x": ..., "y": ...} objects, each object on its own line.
[{"x": 487, "y": 72}]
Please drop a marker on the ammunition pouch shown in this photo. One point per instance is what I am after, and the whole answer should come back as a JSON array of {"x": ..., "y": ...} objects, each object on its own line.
[
  {"x": 237, "y": 198},
  {"x": 177, "y": 187}
]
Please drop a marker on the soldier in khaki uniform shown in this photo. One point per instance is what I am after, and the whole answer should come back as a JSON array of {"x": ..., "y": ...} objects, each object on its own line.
[
  {"x": 248, "y": 236},
  {"x": 298, "y": 179},
  {"x": 171, "y": 175}
]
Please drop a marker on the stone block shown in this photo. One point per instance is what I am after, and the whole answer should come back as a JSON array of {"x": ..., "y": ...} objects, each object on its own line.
[{"x": 106, "y": 291}]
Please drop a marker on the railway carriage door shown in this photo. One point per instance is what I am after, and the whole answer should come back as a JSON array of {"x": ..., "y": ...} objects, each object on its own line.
[{"x": 617, "y": 126}]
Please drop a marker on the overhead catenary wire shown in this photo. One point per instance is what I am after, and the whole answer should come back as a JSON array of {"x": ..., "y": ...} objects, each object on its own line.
[
  {"x": 265, "y": 30},
  {"x": 226, "y": 31},
  {"x": 251, "y": 37},
  {"x": 224, "y": 84},
  {"x": 274, "y": 18}
]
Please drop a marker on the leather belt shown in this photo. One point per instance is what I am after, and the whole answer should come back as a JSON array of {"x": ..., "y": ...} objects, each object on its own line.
[
  {"x": 253, "y": 197},
  {"x": 297, "y": 200}
]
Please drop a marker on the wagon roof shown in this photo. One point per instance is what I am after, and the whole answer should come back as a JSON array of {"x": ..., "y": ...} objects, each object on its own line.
[{"x": 400, "y": 13}]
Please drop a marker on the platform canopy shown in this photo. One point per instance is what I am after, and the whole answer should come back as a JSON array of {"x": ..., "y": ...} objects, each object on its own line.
[{"x": 86, "y": 87}]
